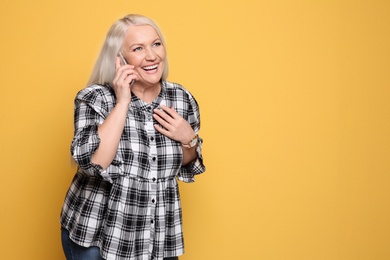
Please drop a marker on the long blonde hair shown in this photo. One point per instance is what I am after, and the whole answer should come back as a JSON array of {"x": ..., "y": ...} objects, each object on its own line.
[{"x": 104, "y": 69}]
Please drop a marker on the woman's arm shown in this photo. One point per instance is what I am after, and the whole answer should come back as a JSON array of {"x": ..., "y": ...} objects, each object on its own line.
[
  {"x": 110, "y": 131},
  {"x": 189, "y": 154}
]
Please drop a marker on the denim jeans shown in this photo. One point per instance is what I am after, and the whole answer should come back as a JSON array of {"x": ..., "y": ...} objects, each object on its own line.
[{"x": 74, "y": 251}]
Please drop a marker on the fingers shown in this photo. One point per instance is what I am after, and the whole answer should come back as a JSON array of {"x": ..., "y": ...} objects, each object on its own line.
[
  {"x": 167, "y": 111},
  {"x": 167, "y": 117},
  {"x": 163, "y": 131},
  {"x": 178, "y": 130},
  {"x": 172, "y": 124},
  {"x": 125, "y": 74},
  {"x": 163, "y": 119},
  {"x": 164, "y": 114}
]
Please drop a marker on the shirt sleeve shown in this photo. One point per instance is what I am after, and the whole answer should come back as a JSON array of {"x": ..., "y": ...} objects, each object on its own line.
[
  {"x": 187, "y": 172},
  {"x": 91, "y": 109}
]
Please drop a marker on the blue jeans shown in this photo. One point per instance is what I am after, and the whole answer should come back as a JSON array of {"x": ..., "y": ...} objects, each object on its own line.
[{"x": 74, "y": 251}]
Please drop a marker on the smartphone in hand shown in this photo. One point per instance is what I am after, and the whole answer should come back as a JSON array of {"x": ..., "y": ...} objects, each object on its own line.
[{"x": 125, "y": 63}]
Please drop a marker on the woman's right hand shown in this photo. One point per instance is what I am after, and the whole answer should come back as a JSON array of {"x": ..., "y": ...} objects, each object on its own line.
[{"x": 121, "y": 82}]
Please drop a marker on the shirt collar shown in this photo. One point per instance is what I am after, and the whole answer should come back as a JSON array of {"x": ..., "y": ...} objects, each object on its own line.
[{"x": 137, "y": 103}]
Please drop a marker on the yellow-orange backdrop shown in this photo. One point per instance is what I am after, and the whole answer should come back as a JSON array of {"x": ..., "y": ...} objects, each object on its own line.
[{"x": 295, "y": 109}]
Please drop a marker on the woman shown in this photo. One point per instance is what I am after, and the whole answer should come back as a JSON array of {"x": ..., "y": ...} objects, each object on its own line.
[{"x": 135, "y": 134}]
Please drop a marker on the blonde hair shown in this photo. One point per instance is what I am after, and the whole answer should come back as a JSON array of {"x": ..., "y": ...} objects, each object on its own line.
[{"x": 104, "y": 69}]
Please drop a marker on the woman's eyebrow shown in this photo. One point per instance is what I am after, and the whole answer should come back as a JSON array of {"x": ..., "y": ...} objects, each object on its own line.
[{"x": 140, "y": 44}]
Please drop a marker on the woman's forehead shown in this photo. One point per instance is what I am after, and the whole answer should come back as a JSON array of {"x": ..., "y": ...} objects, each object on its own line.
[{"x": 141, "y": 32}]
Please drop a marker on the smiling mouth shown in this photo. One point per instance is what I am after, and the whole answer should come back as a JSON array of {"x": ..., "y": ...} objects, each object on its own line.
[{"x": 151, "y": 67}]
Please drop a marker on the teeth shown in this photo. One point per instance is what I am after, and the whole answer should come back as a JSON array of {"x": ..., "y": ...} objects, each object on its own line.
[{"x": 150, "y": 67}]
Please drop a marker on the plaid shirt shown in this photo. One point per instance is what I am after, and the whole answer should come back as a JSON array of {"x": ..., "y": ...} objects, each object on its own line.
[{"x": 132, "y": 209}]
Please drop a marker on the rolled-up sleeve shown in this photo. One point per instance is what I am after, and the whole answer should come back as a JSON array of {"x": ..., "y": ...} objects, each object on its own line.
[
  {"x": 187, "y": 172},
  {"x": 90, "y": 111}
]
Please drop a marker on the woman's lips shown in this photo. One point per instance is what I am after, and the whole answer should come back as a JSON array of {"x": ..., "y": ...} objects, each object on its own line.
[{"x": 151, "y": 67}]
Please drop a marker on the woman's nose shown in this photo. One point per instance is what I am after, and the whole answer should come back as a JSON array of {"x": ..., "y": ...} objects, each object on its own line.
[{"x": 150, "y": 55}]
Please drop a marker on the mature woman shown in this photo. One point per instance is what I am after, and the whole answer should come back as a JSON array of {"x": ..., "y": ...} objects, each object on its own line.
[{"x": 135, "y": 135}]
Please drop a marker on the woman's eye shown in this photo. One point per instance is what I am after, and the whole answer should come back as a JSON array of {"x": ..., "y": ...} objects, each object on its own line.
[
  {"x": 137, "y": 49},
  {"x": 157, "y": 44}
]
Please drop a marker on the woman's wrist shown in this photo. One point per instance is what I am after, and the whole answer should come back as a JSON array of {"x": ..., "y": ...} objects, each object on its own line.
[
  {"x": 193, "y": 142},
  {"x": 123, "y": 104}
]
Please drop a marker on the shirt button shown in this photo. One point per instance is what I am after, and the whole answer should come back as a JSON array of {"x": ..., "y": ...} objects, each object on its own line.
[
  {"x": 154, "y": 179},
  {"x": 152, "y": 221},
  {"x": 152, "y": 138},
  {"x": 153, "y": 201},
  {"x": 154, "y": 159}
]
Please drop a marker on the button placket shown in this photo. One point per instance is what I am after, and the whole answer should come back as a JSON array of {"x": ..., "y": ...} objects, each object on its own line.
[{"x": 149, "y": 127}]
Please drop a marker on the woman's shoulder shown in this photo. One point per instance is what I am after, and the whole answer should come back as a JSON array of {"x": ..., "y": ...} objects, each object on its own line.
[
  {"x": 176, "y": 88},
  {"x": 173, "y": 85},
  {"x": 96, "y": 92},
  {"x": 177, "y": 93}
]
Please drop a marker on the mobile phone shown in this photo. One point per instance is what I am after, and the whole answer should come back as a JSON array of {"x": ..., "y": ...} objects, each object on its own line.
[
  {"x": 125, "y": 63},
  {"x": 122, "y": 58}
]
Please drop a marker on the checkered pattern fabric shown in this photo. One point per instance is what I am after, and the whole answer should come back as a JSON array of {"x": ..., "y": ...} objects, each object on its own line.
[{"x": 132, "y": 209}]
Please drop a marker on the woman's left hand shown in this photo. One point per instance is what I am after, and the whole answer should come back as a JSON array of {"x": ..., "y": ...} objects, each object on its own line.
[{"x": 173, "y": 125}]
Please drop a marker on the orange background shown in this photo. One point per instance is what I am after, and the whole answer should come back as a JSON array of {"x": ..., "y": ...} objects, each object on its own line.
[{"x": 294, "y": 97}]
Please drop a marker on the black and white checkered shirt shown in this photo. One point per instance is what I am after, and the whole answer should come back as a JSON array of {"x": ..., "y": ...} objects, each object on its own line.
[{"x": 132, "y": 209}]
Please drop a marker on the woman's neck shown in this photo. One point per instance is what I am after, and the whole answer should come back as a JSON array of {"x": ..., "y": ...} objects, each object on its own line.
[{"x": 146, "y": 93}]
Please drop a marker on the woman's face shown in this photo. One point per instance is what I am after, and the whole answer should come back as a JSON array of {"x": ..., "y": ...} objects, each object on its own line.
[{"x": 143, "y": 49}]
